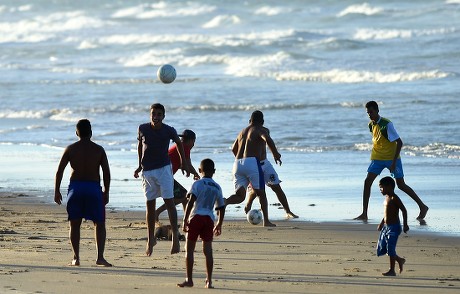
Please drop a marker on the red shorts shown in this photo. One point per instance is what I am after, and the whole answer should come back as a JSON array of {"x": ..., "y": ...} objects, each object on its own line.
[{"x": 200, "y": 225}]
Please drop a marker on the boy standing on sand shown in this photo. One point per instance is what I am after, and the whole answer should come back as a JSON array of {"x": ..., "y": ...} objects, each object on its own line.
[
  {"x": 385, "y": 154},
  {"x": 204, "y": 196},
  {"x": 157, "y": 178},
  {"x": 390, "y": 226},
  {"x": 188, "y": 138},
  {"x": 248, "y": 148},
  {"x": 85, "y": 197}
]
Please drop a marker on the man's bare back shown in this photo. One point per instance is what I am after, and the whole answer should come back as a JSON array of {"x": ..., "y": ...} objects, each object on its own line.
[
  {"x": 85, "y": 158},
  {"x": 250, "y": 143}
]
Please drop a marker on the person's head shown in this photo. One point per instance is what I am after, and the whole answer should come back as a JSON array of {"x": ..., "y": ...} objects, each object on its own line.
[
  {"x": 372, "y": 109},
  {"x": 84, "y": 129},
  {"x": 188, "y": 137},
  {"x": 387, "y": 185},
  {"x": 257, "y": 118},
  {"x": 207, "y": 168},
  {"x": 157, "y": 113}
]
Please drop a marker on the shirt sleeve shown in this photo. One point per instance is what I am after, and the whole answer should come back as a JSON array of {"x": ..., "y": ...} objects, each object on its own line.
[
  {"x": 220, "y": 199},
  {"x": 391, "y": 131}
]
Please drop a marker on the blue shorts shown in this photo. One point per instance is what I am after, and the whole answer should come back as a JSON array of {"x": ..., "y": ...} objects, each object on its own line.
[
  {"x": 179, "y": 191},
  {"x": 388, "y": 239},
  {"x": 377, "y": 166},
  {"x": 85, "y": 200}
]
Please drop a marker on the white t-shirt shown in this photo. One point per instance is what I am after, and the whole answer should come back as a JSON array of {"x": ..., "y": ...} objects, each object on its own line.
[{"x": 208, "y": 197}]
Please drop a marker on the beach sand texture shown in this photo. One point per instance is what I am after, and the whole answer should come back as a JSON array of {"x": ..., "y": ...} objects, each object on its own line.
[{"x": 295, "y": 257}]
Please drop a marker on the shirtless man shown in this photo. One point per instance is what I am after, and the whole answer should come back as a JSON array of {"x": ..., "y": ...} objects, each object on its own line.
[
  {"x": 271, "y": 180},
  {"x": 85, "y": 197},
  {"x": 248, "y": 149}
]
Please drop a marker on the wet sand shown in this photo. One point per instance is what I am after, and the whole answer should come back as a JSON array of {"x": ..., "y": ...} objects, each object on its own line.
[{"x": 294, "y": 257}]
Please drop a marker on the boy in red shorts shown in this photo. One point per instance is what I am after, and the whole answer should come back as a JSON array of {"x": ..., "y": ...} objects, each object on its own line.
[{"x": 199, "y": 218}]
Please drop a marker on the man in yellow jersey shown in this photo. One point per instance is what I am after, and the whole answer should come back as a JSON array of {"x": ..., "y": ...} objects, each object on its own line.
[{"x": 385, "y": 154}]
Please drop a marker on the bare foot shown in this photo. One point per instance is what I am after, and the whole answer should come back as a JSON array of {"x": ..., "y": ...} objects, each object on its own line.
[
  {"x": 103, "y": 262},
  {"x": 269, "y": 224},
  {"x": 185, "y": 284},
  {"x": 149, "y": 247},
  {"x": 390, "y": 273},
  {"x": 208, "y": 285},
  {"x": 422, "y": 222},
  {"x": 401, "y": 262},
  {"x": 422, "y": 213},
  {"x": 361, "y": 217},
  {"x": 291, "y": 215},
  {"x": 247, "y": 209},
  {"x": 74, "y": 262}
]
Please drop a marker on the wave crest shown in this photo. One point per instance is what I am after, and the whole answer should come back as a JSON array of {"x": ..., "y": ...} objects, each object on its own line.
[
  {"x": 364, "y": 9},
  {"x": 353, "y": 76},
  {"x": 434, "y": 150}
]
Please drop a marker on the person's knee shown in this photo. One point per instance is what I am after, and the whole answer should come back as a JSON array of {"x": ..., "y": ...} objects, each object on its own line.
[
  {"x": 169, "y": 203},
  {"x": 368, "y": 181},
  {"x": 207, "y": 248},
  {"x": 261, "y": 193},
  {"x": 401, "y": 184},
  {"x": 240, "y": 195}
]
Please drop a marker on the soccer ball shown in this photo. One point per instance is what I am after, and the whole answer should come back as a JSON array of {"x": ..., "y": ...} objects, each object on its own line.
[
  {"x": 254, "y": 216},
  {"x": 166, "y": 73}
]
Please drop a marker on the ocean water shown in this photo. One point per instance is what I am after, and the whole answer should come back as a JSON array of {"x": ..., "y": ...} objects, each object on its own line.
[{"x": 310, "y": 66}]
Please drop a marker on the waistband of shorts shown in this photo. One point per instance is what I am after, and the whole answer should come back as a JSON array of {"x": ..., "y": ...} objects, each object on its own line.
[
  {"x": 80, "y": 182},
  {"x": 392, "y": 226},
  {"x": 246, "y": 158}
]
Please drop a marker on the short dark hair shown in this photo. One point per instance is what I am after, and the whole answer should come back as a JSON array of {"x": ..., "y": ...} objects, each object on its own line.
[
  {"x": 387, "y": 181},
  {"x": 188, "y": 135},
  {"x": 158, "y": 106},
  {"x": 207, "y": 165},
  {"x": 373, "y": 105},
  {"x": 257, "y": 117},
  {"x": 84, "y": 128}
]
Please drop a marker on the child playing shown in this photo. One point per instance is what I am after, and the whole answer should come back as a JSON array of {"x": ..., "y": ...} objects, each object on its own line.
[
  {"x": 204, "y": 195},
  {"x": 390, "y": 226}
]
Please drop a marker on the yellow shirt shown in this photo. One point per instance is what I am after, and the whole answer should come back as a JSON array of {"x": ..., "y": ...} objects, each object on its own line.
[{"x": 382, "y": 148}]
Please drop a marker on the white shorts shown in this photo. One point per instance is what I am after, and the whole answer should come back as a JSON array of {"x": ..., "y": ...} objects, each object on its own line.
[
  {"x": 248, "y": 170},
  {"x": 158, "y": 182},
  {"x": 270, "y": 176}
]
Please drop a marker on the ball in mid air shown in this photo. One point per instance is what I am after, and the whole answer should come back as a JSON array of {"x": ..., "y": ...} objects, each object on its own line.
[{"x": 166, "y": 73}]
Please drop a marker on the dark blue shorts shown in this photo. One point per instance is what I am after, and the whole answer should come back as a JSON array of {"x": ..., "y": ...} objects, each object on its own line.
[
  {"x": 85, "y": 200},
  {"x": 179, "y": 191},
  {"x": 387, "y": 240}
]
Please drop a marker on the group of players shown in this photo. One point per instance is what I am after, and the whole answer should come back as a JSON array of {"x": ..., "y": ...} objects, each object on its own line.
[{"x": 252, "y": 171}]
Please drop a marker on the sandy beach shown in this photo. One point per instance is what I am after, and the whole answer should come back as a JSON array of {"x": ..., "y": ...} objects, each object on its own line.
[{"x": 294, "y": 257}]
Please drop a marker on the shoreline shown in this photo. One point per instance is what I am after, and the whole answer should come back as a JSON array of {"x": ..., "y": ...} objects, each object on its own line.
[
  {"x": 314, "y": 197},
  {"x": 294, "y": 257}
]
